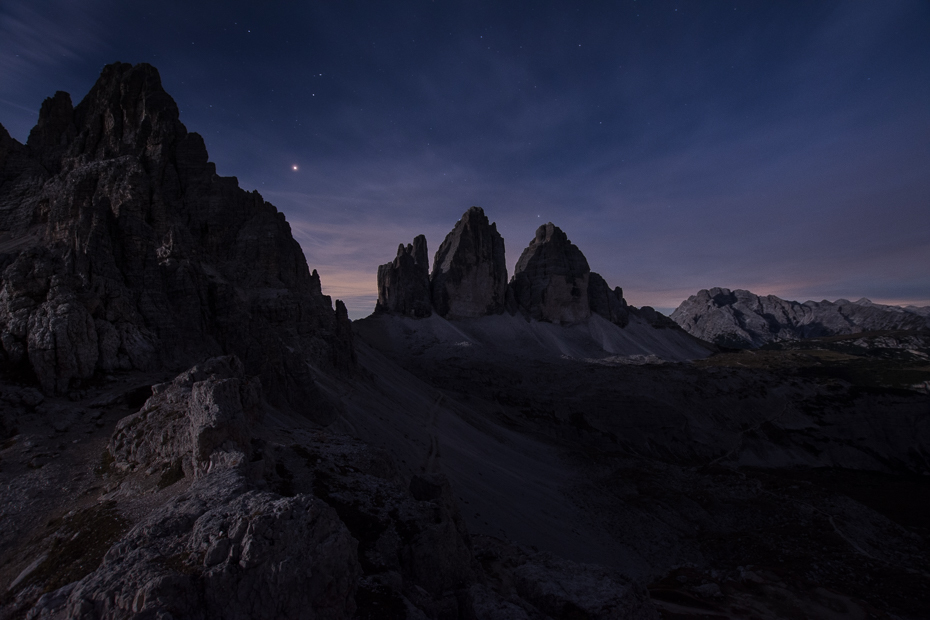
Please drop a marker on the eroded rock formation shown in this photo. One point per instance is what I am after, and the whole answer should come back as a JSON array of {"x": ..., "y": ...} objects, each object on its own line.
[
  {"x": 469, "y": 277},
  {"x": 403, "y": 285},
  {"x": 121, "y": 248},
  {"x": 608, "y": 303},
  {"x": 199, "y": 422},
  {"x": 550, "y": 281}
]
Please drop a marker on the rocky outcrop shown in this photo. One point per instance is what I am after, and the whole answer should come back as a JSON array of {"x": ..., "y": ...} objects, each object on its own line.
[
  {"x": 469, "y": 277},
  {"x": 526, "y": 585},
  {"x": 740, "y": 319},
  {"x": 200, "y": 421},
  {"x": 254, "y": 529},
  {"x": 608, "y": 303},
  {"x": 550, "y": 281},
  {"x": 221, "y": 550},
  {"x": 121, "y": 248},
  {"x": 403, "y": 285}
]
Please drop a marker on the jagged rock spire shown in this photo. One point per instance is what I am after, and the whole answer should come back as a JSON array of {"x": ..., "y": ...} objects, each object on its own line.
[
  {"x": 550, "y": 281},
  {"x": 469, "y": 276},
  {"x": 403, "y": 285}
]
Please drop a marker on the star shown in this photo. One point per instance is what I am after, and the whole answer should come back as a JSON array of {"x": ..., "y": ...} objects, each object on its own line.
[{"x": 294, "y": 167}]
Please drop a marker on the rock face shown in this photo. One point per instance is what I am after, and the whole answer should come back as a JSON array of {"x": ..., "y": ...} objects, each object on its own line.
[
  {"x": 121, "y": 248},
  {"x": 608, "y": 303},
  {"x": 550, "y": 281},
  {"x": 403, "y": 285},
  {"x": 217, "y": 552},
  {"x": 741, "y": 319},
  {"x": 200, "y": 421},
  {"x": 469, "y": 276}
]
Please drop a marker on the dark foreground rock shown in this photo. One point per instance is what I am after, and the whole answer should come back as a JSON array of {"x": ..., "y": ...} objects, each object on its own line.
[
  {"x": 527, "y": 583},
  {"x": 122, "y": 249},
  {"x": 206, "y": 514},
  {"x": 221, "y": 550}
]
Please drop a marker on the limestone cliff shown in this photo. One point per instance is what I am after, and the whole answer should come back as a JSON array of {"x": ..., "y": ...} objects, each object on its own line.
[
  {"x": 403, "y": 285},
  {"x": 469, "y": 276},
  {"x": 550, "y": 281},
  {"x": 606, "y": 302},
  {"x": 121, "y": 248}
]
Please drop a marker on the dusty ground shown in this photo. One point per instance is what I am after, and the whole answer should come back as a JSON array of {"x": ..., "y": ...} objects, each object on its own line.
[
  {"x": 749, "y": 483},
  {"x": 743, "y": 485}
]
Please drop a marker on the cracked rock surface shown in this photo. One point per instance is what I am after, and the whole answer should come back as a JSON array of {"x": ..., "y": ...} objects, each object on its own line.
[{"x": 122, "y": 249}]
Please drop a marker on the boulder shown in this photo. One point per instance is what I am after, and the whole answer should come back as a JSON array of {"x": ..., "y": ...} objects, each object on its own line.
[
  {"x": 469, "y": 277},
  {"x": 550, "y": 281},
  {"x": 199, "y": 422}
]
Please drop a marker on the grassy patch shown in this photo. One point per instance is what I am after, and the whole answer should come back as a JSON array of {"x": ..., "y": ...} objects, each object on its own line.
[{"x": 78, "y": 546}]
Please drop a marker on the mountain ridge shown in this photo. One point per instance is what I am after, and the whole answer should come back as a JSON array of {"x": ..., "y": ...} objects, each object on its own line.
[
  {"x": 742, "y": 319},
  {"x": 121, "y": 248},
  {"x": 552, "y": 281}
]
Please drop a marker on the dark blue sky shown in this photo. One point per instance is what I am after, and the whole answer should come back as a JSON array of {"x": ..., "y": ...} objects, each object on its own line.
[{"x": 782, "y": 147}]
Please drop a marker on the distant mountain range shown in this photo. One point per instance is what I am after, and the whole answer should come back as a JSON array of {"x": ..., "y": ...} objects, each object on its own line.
[{"x": 741, "y": 319}]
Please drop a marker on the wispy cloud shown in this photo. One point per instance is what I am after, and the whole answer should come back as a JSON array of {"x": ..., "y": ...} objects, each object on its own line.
[{"x": 38, "y": 40}]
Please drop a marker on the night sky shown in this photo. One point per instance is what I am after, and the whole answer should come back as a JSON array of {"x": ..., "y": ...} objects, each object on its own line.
[{"x": 782, "y": 147}]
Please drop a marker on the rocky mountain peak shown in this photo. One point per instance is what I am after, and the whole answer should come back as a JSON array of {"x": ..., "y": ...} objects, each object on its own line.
[
  {"x": 127, "y": 112},
  {"x": 550, "y": 280},
  {"x": 56, "y": 123},
  {"x": 469, "y": 277},
  {"x": 120, "y": 249},
  {"x": 403, "y": 285}
]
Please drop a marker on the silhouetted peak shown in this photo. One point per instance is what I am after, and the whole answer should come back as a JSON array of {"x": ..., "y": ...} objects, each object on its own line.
[
  {"x": 127, "y": 110},
  {"x": 469, "y": 276},
  {"x": 55, "y": 126},
  {"x": 550, "y": 280}
]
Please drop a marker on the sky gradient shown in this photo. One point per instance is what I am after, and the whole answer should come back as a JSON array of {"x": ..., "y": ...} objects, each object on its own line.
[{"x": 779, "y": 147}]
